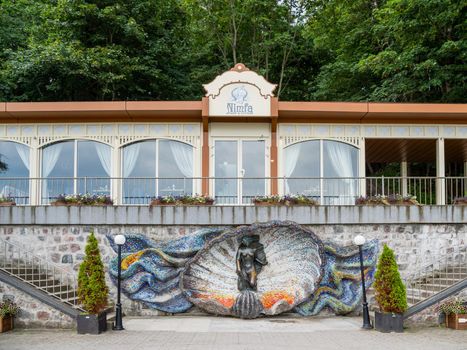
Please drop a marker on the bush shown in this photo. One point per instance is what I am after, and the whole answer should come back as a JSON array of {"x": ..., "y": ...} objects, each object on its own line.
[
  {"x": 8, "y": 309},
  {"x": 453, "y": 306},
  {"x": 92, "y": 290},
  {"x": 390, "y": 291}
]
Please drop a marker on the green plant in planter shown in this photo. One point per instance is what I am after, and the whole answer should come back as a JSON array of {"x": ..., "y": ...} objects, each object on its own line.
[
  {"x": 390, "y": 290},
  {"x": 453, "y": 306},
  {"x": 8, "y": 309},
  {"x": 92, "y": 289}
]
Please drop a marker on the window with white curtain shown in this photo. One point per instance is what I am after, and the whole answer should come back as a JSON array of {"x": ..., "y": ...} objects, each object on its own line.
[
  {"x": 75, "y": 166},
  {"x": 154, "y": 168},
  {"x": 14, "y": 180},
  {"x": 323, "y": 169}
]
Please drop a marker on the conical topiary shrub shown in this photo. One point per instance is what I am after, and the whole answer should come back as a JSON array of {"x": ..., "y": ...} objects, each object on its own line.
[
  {"x": 390, "y": 290},
  {"x": 92, "y": 290}
]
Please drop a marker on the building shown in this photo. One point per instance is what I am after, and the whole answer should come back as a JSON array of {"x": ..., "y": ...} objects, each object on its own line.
[{"x": 238, "y": 142}]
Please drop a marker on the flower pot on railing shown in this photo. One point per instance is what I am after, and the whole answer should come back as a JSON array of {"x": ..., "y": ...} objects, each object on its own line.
[
  {"x": 460, "y": 201},
  {"x": 7, "y": 201},
  {"x": 182, "y": 200},
  {"x": 80, "y": 200},
  {"x": 387, "y": 200},
  {"x": 289, "y": 200}
]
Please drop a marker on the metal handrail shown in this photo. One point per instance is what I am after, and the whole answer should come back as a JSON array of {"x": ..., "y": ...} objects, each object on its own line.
[
  {"x": 39, "y": 272},
  {"x": 437, "y": 276},
  {"x": 428, "y": 190}
]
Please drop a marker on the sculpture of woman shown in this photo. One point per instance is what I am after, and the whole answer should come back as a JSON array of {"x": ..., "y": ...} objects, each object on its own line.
[{"x": 250, "y": 260}]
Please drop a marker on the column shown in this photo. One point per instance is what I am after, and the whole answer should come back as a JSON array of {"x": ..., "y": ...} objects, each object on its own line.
[
  {"x": 34, "y": 173},
  {"x": 115, "y": 173},
  {"x": 205, "y": 148},
  {"x": 274, "y": 151},
  {"x": 464, "y": 179},
  {"x": 440, "y": 173},
  {"x": 404, "y": 172},
  {"x": 362, "y": 168}
]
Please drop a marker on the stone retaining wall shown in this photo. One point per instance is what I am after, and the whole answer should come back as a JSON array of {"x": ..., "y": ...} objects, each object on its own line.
[{"x": 60, "y": 237}]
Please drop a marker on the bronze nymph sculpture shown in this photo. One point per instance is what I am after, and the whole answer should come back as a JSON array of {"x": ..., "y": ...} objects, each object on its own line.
[{"x": 250, "y": 260}]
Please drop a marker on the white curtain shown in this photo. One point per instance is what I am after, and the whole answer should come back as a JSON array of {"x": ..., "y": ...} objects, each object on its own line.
[
  {"x": 340, "y": 155},
  {"x": 23, "y": 152},
  {"x": 130, "y": 155},
  {"x": 291, "y": 157},
  {"x": 183, "y": 155},
  {"x": 50, "y": 157},
  {"x": 104, "y": 153}
]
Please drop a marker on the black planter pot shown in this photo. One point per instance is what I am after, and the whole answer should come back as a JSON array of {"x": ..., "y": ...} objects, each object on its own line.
[
  {"x": 389, "y": 322},
  {"x": 92, "y": 324}
]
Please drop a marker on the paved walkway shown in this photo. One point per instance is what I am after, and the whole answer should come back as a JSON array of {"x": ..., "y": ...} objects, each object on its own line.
[{"x": 206, "y": 333}]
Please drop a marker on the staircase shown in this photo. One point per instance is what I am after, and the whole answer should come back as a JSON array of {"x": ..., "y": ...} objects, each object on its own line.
[
  {"x": 39, "y": 278},
  {"x": 437, "y": 281}
]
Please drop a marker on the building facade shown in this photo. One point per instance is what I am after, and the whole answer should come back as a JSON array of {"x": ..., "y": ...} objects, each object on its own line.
[{"x": 238, "y": 142}]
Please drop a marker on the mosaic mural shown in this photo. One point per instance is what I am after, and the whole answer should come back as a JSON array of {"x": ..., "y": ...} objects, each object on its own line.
[{"x": 260, "y": 269}]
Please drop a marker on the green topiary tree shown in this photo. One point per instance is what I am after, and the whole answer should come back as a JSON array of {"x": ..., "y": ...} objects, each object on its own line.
[
  {"x": 390, "y": 290},
  {"x": 92, "y": 290}
]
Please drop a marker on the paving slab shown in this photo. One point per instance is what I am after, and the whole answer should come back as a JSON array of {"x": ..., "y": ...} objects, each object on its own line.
[{"x": 217, "y": 333}]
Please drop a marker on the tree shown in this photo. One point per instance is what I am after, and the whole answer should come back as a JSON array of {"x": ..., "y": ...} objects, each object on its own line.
[
  {"x": 265, "y": 35},
  {"x": 390, "y": 291},
  {"x": 391, "y": 50},
  {"x": 92, "y": 289},
  {"x": 99, "y": 50}
]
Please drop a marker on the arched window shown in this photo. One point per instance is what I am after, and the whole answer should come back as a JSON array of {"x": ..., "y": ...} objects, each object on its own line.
[
  {"x": 156, "y": 168},
  {"x": 14, "y": 171},
  {"x": 323, "y": 169},
  {"x": 75, "y": 166}
]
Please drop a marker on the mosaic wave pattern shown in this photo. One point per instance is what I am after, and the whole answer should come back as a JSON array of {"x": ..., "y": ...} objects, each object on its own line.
[
  {"x": 340, "y": 289},
  {"x": 200, "y": 269},
  {"x": 151, "y": 271}
]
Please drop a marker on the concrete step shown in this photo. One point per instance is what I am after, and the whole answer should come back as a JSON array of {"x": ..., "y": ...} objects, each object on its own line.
[
  {"x": 66, "y": 295},
  {"x": 58, "y": 288},
  {"x": 15, "y": 270},
  {"x": 431, "y": 286},
  {"x": 417, "y": 293},
  {"x": 44, "y": 282}
]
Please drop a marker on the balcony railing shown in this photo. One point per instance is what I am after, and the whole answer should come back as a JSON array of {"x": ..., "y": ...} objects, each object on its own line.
[{"x": 235, "y": 190}]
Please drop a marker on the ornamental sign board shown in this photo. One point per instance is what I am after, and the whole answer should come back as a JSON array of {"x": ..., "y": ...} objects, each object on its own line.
[{"x": 239, "y": 92}]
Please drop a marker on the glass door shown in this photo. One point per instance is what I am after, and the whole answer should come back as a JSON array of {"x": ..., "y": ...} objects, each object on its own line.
[{"x": 239, "y": 169}]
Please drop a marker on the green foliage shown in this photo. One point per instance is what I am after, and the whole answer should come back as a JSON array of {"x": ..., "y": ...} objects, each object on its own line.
[
  {"x": 391, "y": 50},
  {"x": 378, "y": 50},
  {"x": 390, "y": 291},
  {"x": 8, "y": 309},
  {"x": 453, "y": 306},
  {"x": 92, "y": 290}
]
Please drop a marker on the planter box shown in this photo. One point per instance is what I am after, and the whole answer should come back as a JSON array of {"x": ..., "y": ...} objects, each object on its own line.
[
  {"x": 158, "y": 203},
  {"x": 267, "y": 204},
  {"x": 389, "y": 322},
  {"x": 456, "y": 321},
  {"x": 92, "y": 324},
  {"x": 7, "y": 204},
  {"x": 6, "y": 324},
  {"x": 61, "y": 204}
]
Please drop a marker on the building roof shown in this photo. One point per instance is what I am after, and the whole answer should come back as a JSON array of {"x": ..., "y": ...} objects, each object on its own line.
[{"x": 319, "y": 112}]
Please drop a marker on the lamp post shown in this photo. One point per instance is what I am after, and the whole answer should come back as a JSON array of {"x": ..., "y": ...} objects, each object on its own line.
[
  {"x": 360, "y": 241},
  {"x": 119, "y": 241}
]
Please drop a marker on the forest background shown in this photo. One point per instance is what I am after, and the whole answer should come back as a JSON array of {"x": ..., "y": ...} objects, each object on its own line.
[{"x": 346, "y": 50}]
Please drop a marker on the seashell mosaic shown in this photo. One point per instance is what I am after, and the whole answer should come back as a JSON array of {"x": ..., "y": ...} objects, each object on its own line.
[{"x": 260, "y": 269}]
